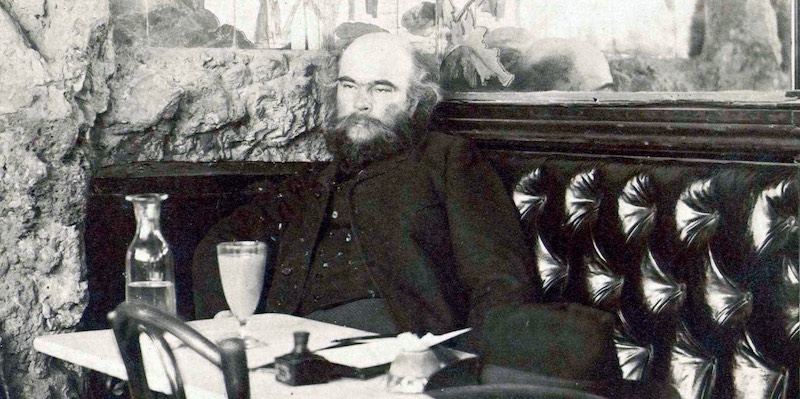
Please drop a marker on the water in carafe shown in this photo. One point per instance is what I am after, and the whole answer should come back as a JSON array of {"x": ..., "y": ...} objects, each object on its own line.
[{"x": 149, "y": 266}]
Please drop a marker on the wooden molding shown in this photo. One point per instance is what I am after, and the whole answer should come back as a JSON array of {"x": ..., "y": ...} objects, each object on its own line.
[
  {"x": 190, "y": 178},
  {"x": 222, "y": 168},
  {"x": 724, "y": 131}
]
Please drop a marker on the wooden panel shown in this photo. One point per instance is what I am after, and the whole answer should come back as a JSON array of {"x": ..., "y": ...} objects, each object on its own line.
[
  {"x": 764, "y": 133},
  {"x": 200, "y": 194}
]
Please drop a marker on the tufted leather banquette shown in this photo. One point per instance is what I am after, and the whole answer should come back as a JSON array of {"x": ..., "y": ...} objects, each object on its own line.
[{"x": 688, "y": 232}]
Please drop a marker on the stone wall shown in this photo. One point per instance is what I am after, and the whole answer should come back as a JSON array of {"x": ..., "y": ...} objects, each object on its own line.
[
  {"x": 55, "y": 58},
  {"x": 72, "y": 101},
  {"x": 207, "y": 105}
]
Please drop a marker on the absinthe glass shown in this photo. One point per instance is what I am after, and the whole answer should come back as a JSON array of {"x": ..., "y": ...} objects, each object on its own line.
[
  {"x": 242, "y": 266},
  {"x": 149, "y": 266}
]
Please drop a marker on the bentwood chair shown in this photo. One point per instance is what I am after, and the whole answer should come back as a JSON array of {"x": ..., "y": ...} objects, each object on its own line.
[{"x": 131, "y": 320}]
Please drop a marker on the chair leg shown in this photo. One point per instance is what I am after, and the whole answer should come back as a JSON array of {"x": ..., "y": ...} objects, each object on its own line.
[{"x": 99, "y": 385}]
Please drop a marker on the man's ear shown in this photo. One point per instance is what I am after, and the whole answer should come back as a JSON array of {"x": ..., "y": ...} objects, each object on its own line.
[{"x": 412, "y": 105}]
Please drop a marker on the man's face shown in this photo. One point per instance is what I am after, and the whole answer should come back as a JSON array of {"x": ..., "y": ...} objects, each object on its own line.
[{"x": 373, "y": 83}]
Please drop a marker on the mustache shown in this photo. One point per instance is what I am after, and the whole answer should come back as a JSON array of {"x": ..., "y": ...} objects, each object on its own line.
[{"x": 352, "y": 120}]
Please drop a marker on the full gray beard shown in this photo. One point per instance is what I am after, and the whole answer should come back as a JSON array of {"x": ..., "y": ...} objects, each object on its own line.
[{"x": 385, "y": 140}]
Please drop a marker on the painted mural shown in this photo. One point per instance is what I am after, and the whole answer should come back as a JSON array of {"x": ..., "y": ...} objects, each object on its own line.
[{"x": 518, "y": 45}]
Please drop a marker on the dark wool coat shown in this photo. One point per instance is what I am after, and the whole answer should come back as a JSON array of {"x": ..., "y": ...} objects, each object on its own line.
[{"x": 439, "y": 232}]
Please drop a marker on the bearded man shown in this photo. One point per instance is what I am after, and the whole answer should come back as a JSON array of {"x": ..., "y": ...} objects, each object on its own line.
[{"x": 406, "y": 230}]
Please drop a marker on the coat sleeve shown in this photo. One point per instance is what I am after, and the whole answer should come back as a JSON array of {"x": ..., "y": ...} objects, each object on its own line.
[{"x": 494, "y": 262}]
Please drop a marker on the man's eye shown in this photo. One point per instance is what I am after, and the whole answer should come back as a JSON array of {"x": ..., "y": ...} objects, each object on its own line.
[
  {"x": 347, "y": 85},
  {"x": 383, "y": 89}
]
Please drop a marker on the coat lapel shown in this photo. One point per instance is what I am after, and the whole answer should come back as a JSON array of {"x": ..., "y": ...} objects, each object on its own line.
[
  {"x": 315, "y": 211},
  {"x": 298, "y": 250}
]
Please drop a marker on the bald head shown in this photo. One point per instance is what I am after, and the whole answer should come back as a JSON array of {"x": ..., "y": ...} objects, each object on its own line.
[{"x": 379, "y": 51}]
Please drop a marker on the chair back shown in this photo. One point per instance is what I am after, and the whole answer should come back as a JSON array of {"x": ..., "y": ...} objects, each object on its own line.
[{"x": 131, "y": 320}]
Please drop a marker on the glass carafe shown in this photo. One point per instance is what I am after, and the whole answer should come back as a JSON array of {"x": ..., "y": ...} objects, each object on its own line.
[{"x": 149, "y": 269}]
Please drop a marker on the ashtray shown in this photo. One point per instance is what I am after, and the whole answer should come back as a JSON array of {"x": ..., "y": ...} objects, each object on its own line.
[{"x": 411, "y": 370}]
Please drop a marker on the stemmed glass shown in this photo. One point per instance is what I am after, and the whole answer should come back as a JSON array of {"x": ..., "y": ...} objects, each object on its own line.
[{"x": 241, "y": 268}]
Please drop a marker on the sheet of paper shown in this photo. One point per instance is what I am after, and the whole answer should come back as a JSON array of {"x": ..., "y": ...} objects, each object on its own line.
[
  {"x": 378, "y": 351},
  {"x": 429, "y": 339},
  {"x": 368, "y": 354}
]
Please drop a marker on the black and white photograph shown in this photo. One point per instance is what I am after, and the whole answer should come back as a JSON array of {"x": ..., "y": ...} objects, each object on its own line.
[{"x": 399, "y": 199}]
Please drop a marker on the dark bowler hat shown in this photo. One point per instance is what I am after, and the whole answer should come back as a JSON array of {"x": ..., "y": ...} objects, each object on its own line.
[{"x": 562, "y": 345}]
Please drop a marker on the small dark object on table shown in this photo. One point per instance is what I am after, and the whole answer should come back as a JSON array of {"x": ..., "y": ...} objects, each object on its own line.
[{"x": 302, "y": 367}]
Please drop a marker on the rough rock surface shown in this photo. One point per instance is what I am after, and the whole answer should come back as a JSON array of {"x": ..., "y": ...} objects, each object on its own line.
[
  {"x": 212, "y": 105},
  {"x": 179, "y": 103},
  {"x": 55, "y": 59}
]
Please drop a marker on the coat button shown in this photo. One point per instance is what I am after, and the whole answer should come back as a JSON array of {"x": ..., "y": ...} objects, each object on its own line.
[{"x": 286, "y": 271}]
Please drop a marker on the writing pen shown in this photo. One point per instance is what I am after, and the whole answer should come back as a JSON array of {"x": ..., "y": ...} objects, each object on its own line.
[{"x": 363, "y": 337}]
